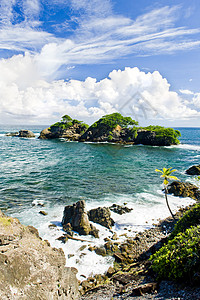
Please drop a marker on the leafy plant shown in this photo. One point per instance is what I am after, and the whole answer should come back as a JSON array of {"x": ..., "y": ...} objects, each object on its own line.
[
  {"x": 190, "y": 218},
  {"x": 180, "y": 258},
  {"x": 166, "y": 174}
]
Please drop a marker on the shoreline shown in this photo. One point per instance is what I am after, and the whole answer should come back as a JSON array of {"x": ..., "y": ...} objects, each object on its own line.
[{"x": 136, "y": 280}]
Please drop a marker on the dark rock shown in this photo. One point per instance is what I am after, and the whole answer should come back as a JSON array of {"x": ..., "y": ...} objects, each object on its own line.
[
  {"x": 77, "y": 216},
  {"x": 100, "y": 251},
  {"x": 44, "y": 213},
  {"x": 118, "y": 257},
  {"x": 110, "y": 271},
  {"x": 194, "y": 170},
  {"x": 184, "y": 189},
  {"x": 26, "y": 134},
  {"x": 147, "y": 288},
  {"x": 101, "y": 215},
  {"x": 119, "y": 209}
]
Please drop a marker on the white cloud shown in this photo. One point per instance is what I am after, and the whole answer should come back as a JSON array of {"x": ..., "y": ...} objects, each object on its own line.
[
  {"x": 30, "y": 98},
  {"x": 186, "y": 92}
]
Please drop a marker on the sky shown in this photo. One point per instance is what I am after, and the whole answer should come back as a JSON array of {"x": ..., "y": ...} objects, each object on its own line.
[{"x": 91, "y": 58}]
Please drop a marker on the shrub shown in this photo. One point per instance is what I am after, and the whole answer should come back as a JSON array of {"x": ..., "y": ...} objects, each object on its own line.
[
  {"x": 190, "y": 218},
  {"x": 180, "y": 258}
]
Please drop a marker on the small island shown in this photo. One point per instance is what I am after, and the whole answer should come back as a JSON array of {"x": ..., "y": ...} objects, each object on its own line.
[{"x": 112, "y": 128}]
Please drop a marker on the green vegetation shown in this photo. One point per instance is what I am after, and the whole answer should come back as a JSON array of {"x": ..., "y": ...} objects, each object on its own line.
[
  {"x": 190, "y": 218},
  {"x": 169, "y": 135},
  {"x": 68, "y": 122},
  {"x": 109, "y": 122},
  {"x": 166, "y": 174},
  {"x": 179, "y": 259}
]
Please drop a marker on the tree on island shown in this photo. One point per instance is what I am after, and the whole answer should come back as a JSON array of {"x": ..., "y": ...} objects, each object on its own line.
[{"x": 166, "y": 174}]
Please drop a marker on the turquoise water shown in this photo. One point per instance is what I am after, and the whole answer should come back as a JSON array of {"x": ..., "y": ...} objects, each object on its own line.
[{"x": 59, "y": 173}]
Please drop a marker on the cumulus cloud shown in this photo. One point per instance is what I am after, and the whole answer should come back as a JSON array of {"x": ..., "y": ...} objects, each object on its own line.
[{"x": 131, "y": 92}]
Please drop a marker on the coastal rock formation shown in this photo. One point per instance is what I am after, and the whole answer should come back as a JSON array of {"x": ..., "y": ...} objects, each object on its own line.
[
  {"x": 102, "y": 216},
  {"x": 69, "y": 129},
  {"x": 194, "y": 170},
  {"x": 184, "y": 189},
  {"x": 30, "y": 268},
  {"x": 77, "y": 217},
  {"x": 26, "y": 134},
  {"x": 22, "y": 133},
  {"x": 112, "y": 128},
  {"x": 119, "y": 209}
]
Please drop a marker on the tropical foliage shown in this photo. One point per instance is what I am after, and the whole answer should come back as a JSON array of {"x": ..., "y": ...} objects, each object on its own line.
[
  {"x": 166, "y": 175},
  {"x": 68, "y": 122},
  {"x": 179, "y": 259}
]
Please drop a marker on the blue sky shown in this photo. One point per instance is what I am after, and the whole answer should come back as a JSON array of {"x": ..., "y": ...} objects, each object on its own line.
[{"x": 90, "y": 58}]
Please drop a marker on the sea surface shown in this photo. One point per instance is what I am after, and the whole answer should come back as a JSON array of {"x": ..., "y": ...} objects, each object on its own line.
[{"x": 58, "y": 173}]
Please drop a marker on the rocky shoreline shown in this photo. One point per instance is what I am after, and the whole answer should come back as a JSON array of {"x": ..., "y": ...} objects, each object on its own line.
[{"x": 134, "y": 279}]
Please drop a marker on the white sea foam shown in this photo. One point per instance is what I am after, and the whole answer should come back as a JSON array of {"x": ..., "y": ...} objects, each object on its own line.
[
  {"x": 147, "y": 210},
  {"x": 186, "y": 147}
]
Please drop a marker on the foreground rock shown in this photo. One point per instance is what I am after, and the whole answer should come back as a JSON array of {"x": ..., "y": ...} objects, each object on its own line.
[
  {"x": 102, "y": 216},
  {"x": 29, "y": 268},
  {"x": 77, "y": 217},
  {"x": 194, "y": 170},
  {"x": 22, "y": 133},
  {"x": 184, "y": 189}
]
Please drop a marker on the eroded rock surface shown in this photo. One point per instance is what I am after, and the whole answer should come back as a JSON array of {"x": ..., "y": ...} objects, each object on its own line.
[
  {"x": 29, "y": 268},
  {"x": 184, "y": 189},
  {"x": 76, "y": 215},
  {"x": 102, "y": 216}
]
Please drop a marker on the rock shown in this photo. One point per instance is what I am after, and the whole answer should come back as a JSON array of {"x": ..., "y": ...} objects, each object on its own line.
[
  {"x": 147, "y": 288},
  {"x": 101, "y": 215},
  {"x": 114, "y": 237},
  {"x": 184, "y": 189},
  {"x": 30, "y": 268},
  {"x": 26, "y": 134},
  {"x": 77, "y": 216},
  {"x": 12, "y": 134},
  {"x": 100, "y": 251},
  {"x": 118, "y": 209},
  {"x": 194, "y": 170},
  {"x": 42, "y": 212},
  {"x": 118, "y": 257},
  {"x": 110, "y": 271}
]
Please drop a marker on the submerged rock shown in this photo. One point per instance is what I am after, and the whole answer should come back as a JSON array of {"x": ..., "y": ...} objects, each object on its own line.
[
  {"x": 12, "y": 134},
  {"x": 30, "y": 268},
  {"x": 194, "y": 170},
  {"x": 77, "y": 216},
  {"x": 102, "y": 216},
  {"x": 184, "y": 189}
]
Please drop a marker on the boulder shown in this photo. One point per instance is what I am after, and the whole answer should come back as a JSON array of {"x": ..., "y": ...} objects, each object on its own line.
[
  {"x": 102, "y": 216},
  {"x": 194, "y": 170},
  {"x": 77, "y": 216},
  {"x": 184, "y": 189},
  {"x": 118, "y": 209},
  {"x": 26, "y": 134},
  {"x": 30, "y": 268}
]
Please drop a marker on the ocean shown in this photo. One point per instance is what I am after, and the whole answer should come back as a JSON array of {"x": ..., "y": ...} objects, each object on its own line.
[{"x": 58, "y": 173}]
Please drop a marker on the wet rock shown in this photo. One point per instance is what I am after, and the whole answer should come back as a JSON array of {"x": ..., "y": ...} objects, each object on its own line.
[
  {"x": 68, "y": 229},
  {"x": 118, "y": 257},
  {"x": 184, "y": 189},
  {"x": 26, "y": 134},
  {"x": 77, "y": 216},
  {"x": 194, "y": 170},
  {"x": 100, "y": 251},
  {"x": 102, "y": 216},
  {"x": 119, "y": 209},
  {"x": 42, "y": 212},
  {"x": 114, "y": 237}
]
